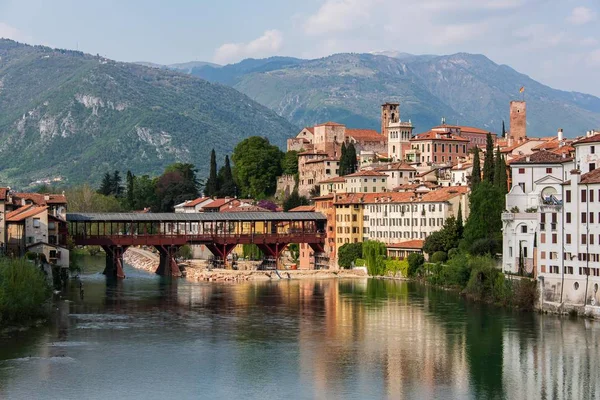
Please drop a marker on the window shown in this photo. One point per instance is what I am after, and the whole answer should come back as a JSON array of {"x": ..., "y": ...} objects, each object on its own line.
[
  {"x": 543, "y": 238},
  {"x": 548, "y": 170},
  {"x": 525, "y": 252},
  {"x": 592, "y": 149},
  {"x": 554, "y": 238},
  {"x": 568, "y": 238},
  {"x": 568, "y": 218},
  {"x": 568, "y": 194},
  {"x": 36, "y": 222},
  {"x": 592, "y": 166},
  {"x": 591, "y": 218},
  {"x": 591, "y": 240},
  {"x": 583, "y": 195},
  {"x": 523, "y": 228},
  {"x": 584, "y": 218},
  {"x": 543, "y": 255},
  {"x": 583, "y": 238},
  {"x": 591, "y": 196},
  {"x": 521, "y": 170}
]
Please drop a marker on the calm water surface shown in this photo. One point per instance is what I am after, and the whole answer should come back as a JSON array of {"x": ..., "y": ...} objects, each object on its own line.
[{"x": 151, "y": 338}]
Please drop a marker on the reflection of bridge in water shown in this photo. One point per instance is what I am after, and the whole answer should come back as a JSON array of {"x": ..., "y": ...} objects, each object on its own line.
[{"x": 271, "y": 232}]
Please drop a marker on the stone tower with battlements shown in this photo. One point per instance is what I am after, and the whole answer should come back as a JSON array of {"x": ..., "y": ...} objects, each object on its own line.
[{"x": 518, "y": 121}]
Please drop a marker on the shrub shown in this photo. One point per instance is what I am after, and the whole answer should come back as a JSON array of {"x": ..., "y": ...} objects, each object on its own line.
[
  {"x": 415, "y": 261},
  {"x": 349, "y": 253},
  {"x": 23, "y": 291},
  {"x": 482, "y": 247},
  {"x": 394, "y": 267},
  {"x": 360, "y": 262},
  {"x": 93, "y": 250},
  {"x": 453, "y": 253},
  {"x": 524, "y": 293},
  {"x": 439, "y": 257},
  {"x": 185, "y": 252}
]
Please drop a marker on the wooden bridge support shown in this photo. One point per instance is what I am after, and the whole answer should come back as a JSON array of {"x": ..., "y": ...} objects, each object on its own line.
[
  {"x": 273, "y": 250},
  {"x": 168, "y": 263},
  {"x": 221, "y": 251},
  {"x": 114, "y": 261}
]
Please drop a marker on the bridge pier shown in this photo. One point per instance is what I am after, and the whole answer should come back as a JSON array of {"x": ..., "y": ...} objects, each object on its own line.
[
  {"x": 114, "y": 261},
  {"x": 221, "y": 251},
  {"x": 168, "y": 264},
  {"x": 272, "y": 249}
]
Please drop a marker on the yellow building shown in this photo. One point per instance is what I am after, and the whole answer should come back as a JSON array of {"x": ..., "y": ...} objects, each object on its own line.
[{"x": 349, "y": 218}]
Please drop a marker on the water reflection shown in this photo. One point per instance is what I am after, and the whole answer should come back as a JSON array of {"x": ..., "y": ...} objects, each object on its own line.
[{"x": 298, "y": 339}]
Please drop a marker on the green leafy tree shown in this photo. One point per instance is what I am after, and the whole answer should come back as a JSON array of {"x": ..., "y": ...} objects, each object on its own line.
[
  {"x": 85, "y": 199},
  {"x": 211, "y": 188},
  {"x": 289, "y": 163},
  {"x": 294, "y": 250},
  {"x": 476, "y": 172},
  {"x": 349, "y": 253},
  {"x": 415, "y": 261},
  {"x": 294, "y": 200},
  {"x": 144, "y": 193},
  {"x": 227, "y": 186},
  {"x": 374, "y": 253},
  {"x": 256, "y": 166},
  {"x": 177, "y": 184},
  {"x": 488, "y": 166}
]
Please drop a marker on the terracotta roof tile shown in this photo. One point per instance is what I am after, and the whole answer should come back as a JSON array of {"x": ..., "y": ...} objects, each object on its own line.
[
  {"x": 541, "y": 157},
  {"x": 41, "y": 199},
  {"x": 591, "y": 139},
  {"x": 366, "y": 173},
  {"x": 197, "y": 201},
  {"x": 591, "y": 177},
  {"x": 246, "y": 209},
  {"x": 24, "y": 213},
  {"x": 431, "y": 135},
  {"x": 303, "y": 209},
  {"x": 3, "y": 192},
  {"x": 365, "y": 135},
  {"x": 217, "y": 203},
  {"x": 329, "y": 123},
  {"x": 337, "y": 179},
  {"x": 409, "y": 244}
]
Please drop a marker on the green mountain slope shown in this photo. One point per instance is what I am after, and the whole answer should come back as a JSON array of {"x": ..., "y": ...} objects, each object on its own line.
[
  {"x": 71, "y": 115},
  {"x": 349, "y": 88}
]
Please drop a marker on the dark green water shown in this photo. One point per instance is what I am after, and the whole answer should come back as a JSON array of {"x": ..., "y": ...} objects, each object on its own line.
[{"x": 150, "y": 338}]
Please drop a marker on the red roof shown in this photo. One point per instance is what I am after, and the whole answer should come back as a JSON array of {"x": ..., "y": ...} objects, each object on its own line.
[
  {"x": 337, "y": 179},
  {"x": 217, "y": 203},
  {"x": 409, "y": 244},
  {"x": 330, "y": 123},
  {"x": 24, "y": 212},
  {"x": 303, "y": 209},
  {"x": 322, "y": 159},
  {"x": 3, "y": 192},
  {"x": 365, "y": 134},
  {"x": 246, "y": 209},
  {"x": 591, "y": 177},
  {"x": 41, "y": 199},
  {"x": 541, "y": 157},
  {"x": 197, "y": 201},
  {"x": 401, "y": 166},
  {"x": 591, "y": 139},
  {"x": 432, "y": 135}
]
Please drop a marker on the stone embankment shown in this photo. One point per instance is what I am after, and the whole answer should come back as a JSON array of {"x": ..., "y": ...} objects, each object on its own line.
[{"x": 197, "y": 270}]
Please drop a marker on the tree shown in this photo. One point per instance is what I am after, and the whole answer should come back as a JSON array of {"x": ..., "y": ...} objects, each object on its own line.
[
  {"x": 227, "y": 186},
  {"x": 177, "y": 184},
  {"x": 459, "y": 221},
  {"x": 106, "y": 186},
  {"x": 85, "y": 199},
  {"x": 117, "y": 189},
  {"x": 349, "y": 253},
  {"x": 503, "y": 130},
  {"x": 294, "y": 250},
  {"x": 130, "y": 190},
  {"x": 500, "y": 179},
  {"x": 144, "y": 193},
  {"x": 315, "y": 191},
  {"x": 294, "y": 200},
  {"x": 373, "y": 253},
  {"x": 351, "y": 156},
  {"x": 488, "y": 166},
  {"x": 343, "y": 169},
  {"x": 484, "y": 217},
  {"x": 289, "y": 163},
  {"x": 443, "y": 240},
  {"x": 256, "y": 166},
  {"x": 415, "y": 261},
  {"x": 476, "y": 172},
  {"x": 212, "y": 183},
  {"x": 268, "y": 205}
]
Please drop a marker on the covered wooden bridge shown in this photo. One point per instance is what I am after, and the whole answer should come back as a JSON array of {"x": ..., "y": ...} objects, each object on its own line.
[{"x": 219, "y": 232}]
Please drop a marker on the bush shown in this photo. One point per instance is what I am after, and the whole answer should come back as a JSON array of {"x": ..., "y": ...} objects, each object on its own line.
[
  {"x": 23, "y": 291},
  {"x": 360, "y": 262},
  {"x": 393, "y": 267},
  {"x": 524, "y": 293},
  {"x": 349, "y": 253},
  {"x": 415, "y": 261},
  {"x": 93, "y": 250},
  {"x": 453, "y": 253},
  {"x": 482, "y": 247},
  {"x": 439, "y": 257},
  {"x": 185, "y": 252}
]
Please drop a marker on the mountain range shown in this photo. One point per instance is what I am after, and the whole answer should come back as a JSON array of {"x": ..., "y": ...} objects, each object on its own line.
[
  {"x": 74, "y": 116},
  {"x": 467, "y": 89}
]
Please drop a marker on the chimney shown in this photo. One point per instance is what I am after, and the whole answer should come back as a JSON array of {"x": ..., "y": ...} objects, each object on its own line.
[
  {"x": 560, "y": 135},
  {"x": 527, "y": 158}
]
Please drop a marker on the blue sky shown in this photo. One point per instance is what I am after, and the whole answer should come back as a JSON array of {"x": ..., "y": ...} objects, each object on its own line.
[{"x": 554, "y": 41}]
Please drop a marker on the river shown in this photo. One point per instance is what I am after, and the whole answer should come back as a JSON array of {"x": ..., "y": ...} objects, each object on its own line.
[{"x": 147, "y": 337}]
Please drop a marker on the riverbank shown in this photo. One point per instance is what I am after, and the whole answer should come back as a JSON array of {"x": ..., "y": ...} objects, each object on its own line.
[{"x": 197, "y": 270}]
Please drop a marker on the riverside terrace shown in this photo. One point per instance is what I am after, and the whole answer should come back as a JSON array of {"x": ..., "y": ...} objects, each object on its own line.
[{"x": 219, "y": 232}]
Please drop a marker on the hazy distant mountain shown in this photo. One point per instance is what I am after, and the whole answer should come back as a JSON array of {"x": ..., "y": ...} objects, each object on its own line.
[
  {"x": 69, "y": 114},
  {"x": 468, "y": 89},
  {"x": 185, "y": 67}
]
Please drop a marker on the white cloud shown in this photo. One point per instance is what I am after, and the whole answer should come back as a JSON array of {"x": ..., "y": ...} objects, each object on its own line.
[
  {"x": 10, "y": 32},
  {"x": 458, "y": 33},
  {"x": 268, "y": 44},
  {"x": 581, "y": 16},
  {"x": 339, "y": 16}
]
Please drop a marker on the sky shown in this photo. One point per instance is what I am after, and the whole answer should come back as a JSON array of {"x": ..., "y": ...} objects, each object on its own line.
[{"x": 556, "y": 42}]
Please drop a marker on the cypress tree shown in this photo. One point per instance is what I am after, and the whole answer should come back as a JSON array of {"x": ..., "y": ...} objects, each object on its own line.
[
  {"x": 106, "y": 186},
  {"x": 476, "y": 173},
  {"x": 459, "y": 221},
  {"x": 351, "y": 155},
  {"x": 226, "y": 183},
  {"x": 503, "y": 182},
  {"x": 488, "y": 166},
  {"x": 212, "y": 184},
  {"x": 343, "y": 161},
  {"x": 116, "y": 187},
  {"x": 503, "y": 130},
  {"x": 130, "y": 188}
]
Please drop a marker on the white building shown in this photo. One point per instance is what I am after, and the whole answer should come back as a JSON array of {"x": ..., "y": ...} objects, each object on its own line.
[
  {"x": 366, "y": 182},
  {"x": 193, "y": 206},
  {"x": 396, "y": 217},
  {"x": 398, "y": 174},
  {"x": 536, "y": 182}
]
